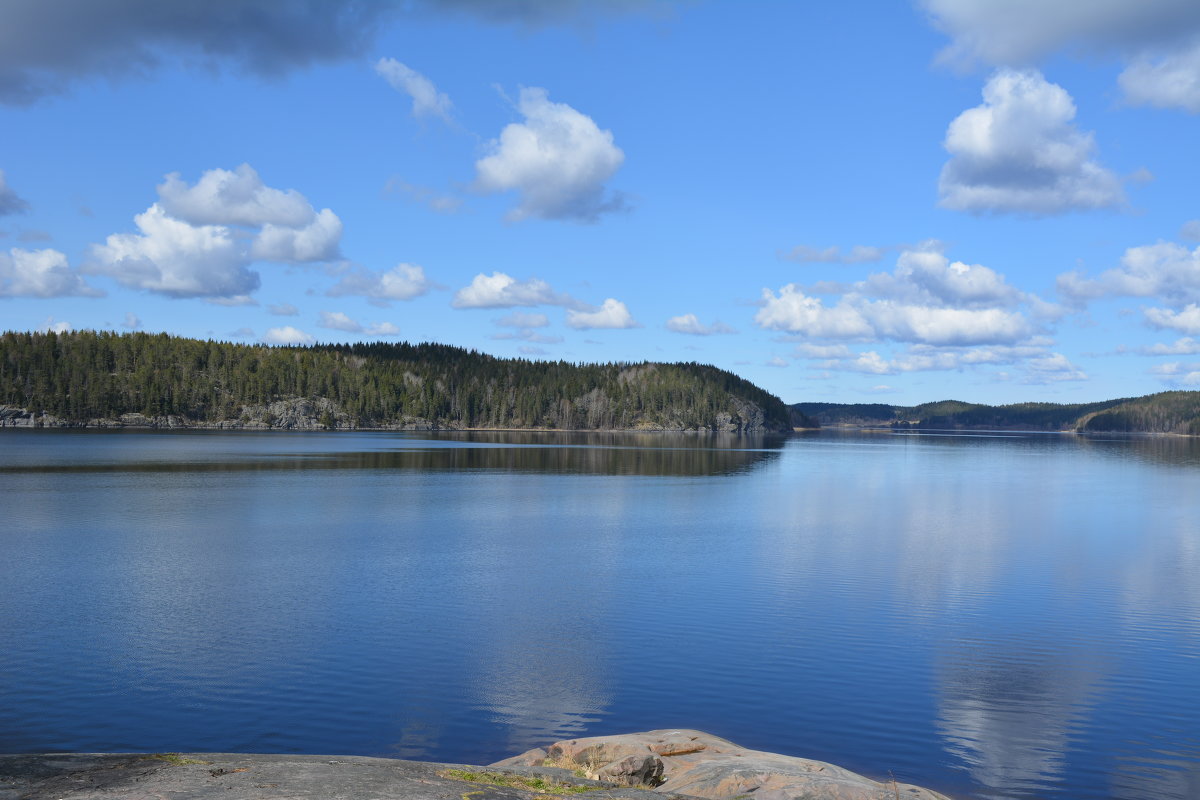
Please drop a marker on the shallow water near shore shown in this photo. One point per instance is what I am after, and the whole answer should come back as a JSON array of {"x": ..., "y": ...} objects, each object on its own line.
[{"x": 992, "y": 616}]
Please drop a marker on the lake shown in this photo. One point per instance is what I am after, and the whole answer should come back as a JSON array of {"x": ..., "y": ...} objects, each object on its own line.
[{"x": 992, "y": 616}]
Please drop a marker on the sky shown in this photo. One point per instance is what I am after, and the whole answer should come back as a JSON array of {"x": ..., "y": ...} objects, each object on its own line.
[{"x": 987, "y": 200}]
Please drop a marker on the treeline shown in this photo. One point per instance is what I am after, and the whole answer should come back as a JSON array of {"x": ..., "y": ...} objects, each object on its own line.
[
  {"x": 1165, "y": 412},
  {"x": 94, "y": 375}
]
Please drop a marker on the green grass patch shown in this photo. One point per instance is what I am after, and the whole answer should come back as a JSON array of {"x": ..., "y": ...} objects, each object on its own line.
[{"x": 531, "y": 783}]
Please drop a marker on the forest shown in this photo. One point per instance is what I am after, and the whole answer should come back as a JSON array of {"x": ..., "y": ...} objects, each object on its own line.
[
  {"x": 1165, "y": 412},
  {"x": 92, "y": 377}
]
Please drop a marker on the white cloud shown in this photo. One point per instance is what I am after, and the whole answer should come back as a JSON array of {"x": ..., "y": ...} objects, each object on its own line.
[
  {"x": 499, "y": 290},
  {"x": 529, "y": 350},
  {"x": 291, "y": 230},
  {"x": 1165, "y": 270},
  {"x": 690, "y": 324},
  {"x": 50, "y": 326},
  {"x": 806, "y": 350},
  {"x": 1052, "y": 368},
  {"x": 1186, "y": 320},
  {"x": 857, "y": 254},
  {"x": 382, "y": 329},
  {"x": 775, "y": 361},
  {"x": 1185, "y": 346},
  {"x": 927, "y": 299},
  {"x": 242, "y": 333},
  {"x": 287, "y": 335},
  {"x": 198, "y": 241},
  {"x": 401, "y": 282},
  {"x": 557, "y": 160},
  {"x": 174, "y": 258},
  {"x": 793, "y": 310},
  {"x": 1020, "y": 152},
  {"x": 426, "y": 99},
  {"x": 1041, "y": 365},
  {"x": 1170, "y": 80},
  {"x": 40, "y": 273},
  {"x": 10, "y": 201},
  {"x": 1157, "y": 39},
  {"x": 131, "y": 321},
  {"x": 317, "y": 241},
  {"x": 925, "y": 275},
  {"x": 283, "y": 310},
  {"x": 239, "y": 197},
  {"x": 337, "y": 321},
  {"x": 611, "y": 314},
  {"x": 519, "y": 319}
]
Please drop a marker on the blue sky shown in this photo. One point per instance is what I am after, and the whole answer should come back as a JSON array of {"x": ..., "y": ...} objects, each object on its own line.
[{"x": 853, "y": 202}]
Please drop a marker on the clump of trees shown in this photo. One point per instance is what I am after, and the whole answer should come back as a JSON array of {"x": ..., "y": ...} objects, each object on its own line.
[
  {"x": 1165, "y": 412},
  {"x": 87, "y": 375}
]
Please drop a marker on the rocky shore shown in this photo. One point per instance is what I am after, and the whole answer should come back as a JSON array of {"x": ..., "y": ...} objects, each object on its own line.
[{"x": 651, "y": 765}]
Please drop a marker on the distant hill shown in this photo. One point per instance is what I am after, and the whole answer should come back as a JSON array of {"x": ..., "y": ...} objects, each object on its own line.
[
  {"x": 100, "y": 378},
  {"x": 1165, "y": 412}
]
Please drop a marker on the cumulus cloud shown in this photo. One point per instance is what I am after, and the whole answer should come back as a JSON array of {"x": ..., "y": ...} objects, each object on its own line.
[
  {"x": 1191, "y": 230},
  {"x": 557, "y": 161},
  {"x": 499, "y": 290},
  {"x": 175, "y": 258},
  {"x": 1185, "y": 346},
  {"x": 131, "y": 321},
  {"x": 338, "y": 321},
  {"x": 1158, "y": 39},
  {"x": 1186, "y": 320},
  {"x": 1171, "y": 80},
  {"x": 10, "y": 201},
  {"x": 1164, "y": 270},
  {"x": 690, "y": 324},
  {"x": 287, "y": 335},
  {"x": 283, "y": 310},
  {"x": 50, "y": 325},
  {"x": 40, "y": 273},
  {"x": 858, "y": 254},
  {"x": 1176, "y": 373},
  {"x": 198, "y": 241},
  {"x": 317, "y": 241},
  {"x": 611, "y": 314},
  {"x": 927, "y": 299},
  {"x": 44, "y": 47},
  {"x": 426, "y": 99},
  {"x": 1040, "y": 364},
  {"x": 291, "y": 229},
  {"x": 1020, "y": 152},
  {"x": 401, "y": 282},
  {"x": 237, "y": 197}
]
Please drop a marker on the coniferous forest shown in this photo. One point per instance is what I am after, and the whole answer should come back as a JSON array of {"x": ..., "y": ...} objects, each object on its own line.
[
  {"x": 98, "y": 377},
  {"x": 1165, "y": 412}
]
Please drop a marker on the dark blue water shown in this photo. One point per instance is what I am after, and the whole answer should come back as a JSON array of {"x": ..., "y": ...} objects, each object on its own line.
[{"x": 993, "y": 617}]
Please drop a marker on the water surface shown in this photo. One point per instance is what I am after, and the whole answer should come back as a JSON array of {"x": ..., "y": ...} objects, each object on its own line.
[{"x": 1007, "y": 616}]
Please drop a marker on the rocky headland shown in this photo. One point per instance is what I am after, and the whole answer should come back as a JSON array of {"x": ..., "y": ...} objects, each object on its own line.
[{"x": 649, "y": 765}]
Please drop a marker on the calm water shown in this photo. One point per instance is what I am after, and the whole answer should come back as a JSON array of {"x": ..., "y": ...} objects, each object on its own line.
[{"x": 994, "y": 617}]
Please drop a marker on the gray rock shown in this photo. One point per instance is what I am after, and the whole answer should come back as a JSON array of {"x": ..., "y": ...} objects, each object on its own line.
[{"x": 698, "y": 764}]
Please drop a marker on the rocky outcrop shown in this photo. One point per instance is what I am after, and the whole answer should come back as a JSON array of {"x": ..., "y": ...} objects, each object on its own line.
[{"x": 699, "y": 764}]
